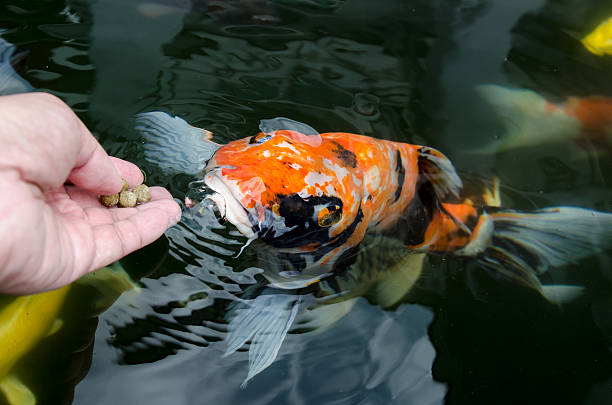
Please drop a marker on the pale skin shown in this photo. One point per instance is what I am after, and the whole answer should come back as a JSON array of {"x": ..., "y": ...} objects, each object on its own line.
[{"x": 53, "y": 228}]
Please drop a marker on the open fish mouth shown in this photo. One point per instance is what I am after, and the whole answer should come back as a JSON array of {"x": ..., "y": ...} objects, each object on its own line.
[{"x": 228, "y": 203}]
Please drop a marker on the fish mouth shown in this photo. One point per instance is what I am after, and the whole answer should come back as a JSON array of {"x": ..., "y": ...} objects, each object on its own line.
[{"x": 227, "y": 199}]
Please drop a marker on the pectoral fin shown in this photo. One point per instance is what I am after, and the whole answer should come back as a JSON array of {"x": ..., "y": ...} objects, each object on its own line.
[
  {"x": 265, "y": 321},
  {"x": 56, "y": 326},
  {"x": 439, "y": 171},
  {"x": 173, "y": 144},
  {"x": 399, "y": 280},
  {"x": 16, "y": 392}
]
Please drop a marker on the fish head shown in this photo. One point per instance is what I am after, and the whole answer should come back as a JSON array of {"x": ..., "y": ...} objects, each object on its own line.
[{"x": 298, "y": 194}]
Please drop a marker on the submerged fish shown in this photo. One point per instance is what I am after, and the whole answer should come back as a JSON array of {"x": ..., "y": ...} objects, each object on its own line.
[
  {"x": 310, "y": 199},
  {"x": 529, "y": 119},
  {"x": 26, "y": 321},
  {"x": 599, "y": 42}
]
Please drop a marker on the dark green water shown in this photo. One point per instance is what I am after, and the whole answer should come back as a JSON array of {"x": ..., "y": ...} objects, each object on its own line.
[{"x": 400, "y": 70}]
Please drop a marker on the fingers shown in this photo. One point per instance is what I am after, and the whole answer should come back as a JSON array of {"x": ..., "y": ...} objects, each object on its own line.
[
  {"x": 44, "y": 140},
  {"x": 128, "y": 171},
  {"x": 94, "y": 170},
  {"x": 160, "y": 199},
  {"x": 87, "y": 200},
  {"x": 120, "y": 231},
  {"x": 144, "y": 225},
  {"x": 47, "y": 144}
]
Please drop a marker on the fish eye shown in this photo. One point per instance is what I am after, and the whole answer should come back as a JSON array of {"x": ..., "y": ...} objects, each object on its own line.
[
  {"x": 328, "y": 216},
  {"x": 260, "y": 138}
]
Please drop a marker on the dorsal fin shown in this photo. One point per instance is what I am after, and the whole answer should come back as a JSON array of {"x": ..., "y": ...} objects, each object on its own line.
[
  {"x": 281, "y": 123},
  {"x": 439, "y": 171}
]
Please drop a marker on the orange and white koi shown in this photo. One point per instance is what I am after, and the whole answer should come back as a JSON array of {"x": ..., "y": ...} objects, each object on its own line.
[
  {"x": 529, "y": 119},
  {"x": 312, "y": 197},
  {"x": 309, "y": 199}
]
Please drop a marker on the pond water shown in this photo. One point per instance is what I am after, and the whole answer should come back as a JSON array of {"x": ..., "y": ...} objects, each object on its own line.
[{"x": 398, "y": 70}]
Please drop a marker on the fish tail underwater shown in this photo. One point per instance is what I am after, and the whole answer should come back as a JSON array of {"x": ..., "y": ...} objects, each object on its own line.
[
  {"x": 517, "y": 245},
  {"x": 530, "y": 120}
]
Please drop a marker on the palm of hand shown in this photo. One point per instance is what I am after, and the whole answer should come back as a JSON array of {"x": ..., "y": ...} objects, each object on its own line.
[{"x": 54, "y": 233}]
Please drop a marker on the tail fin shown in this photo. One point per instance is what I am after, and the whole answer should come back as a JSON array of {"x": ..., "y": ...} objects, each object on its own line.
[
  {"x": 527, "y": 118},
  {"x": 517, "y": 245},
  {"x": 521, "y": 245}
]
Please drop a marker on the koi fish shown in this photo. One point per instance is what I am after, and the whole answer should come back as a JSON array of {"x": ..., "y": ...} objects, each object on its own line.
[
  {"x": 26, "y": 321},
  {"x": 599, "y": 42},
  {"x": 308, "y": 200},
  {"x": 529, "y": 119}
]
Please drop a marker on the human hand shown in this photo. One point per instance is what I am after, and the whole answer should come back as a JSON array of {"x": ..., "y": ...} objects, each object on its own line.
[{"x": 53, "y": 232}]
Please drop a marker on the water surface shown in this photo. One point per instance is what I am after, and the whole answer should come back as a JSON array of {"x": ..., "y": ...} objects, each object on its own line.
[{"x": 399, "y": 70}]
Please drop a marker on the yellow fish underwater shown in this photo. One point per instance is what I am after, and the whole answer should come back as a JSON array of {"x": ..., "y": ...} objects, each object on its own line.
[
  {"x": 26, "y": 321},
  {"x": 599, "y": 42}
]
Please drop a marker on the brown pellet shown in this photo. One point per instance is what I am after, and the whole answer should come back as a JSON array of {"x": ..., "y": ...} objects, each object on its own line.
[
  {"x": 126, "y": 186},
  {"x": 142, "y": 193},
  {"x": 127, "y": 199},
  {"x": 109, "y": 200}
]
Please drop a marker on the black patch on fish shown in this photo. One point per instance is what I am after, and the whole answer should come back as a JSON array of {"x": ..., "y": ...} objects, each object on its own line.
[
  {"x": 332, "y": 283},
  {"x": 301, "y": 220},
  {"x": 505, "y": 255},
  {"x": 254, "y": 140},
  {"x": 401, "y": 175},
  {"x": 411, "y": 226},
  {"x": 347, "y": 157},
  {"x": 346, "y": 260}
]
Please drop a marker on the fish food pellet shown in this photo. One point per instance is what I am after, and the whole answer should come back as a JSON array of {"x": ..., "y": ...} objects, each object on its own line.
[
  {"x": 126, "y": 186},
  {"x": 109, "y": 200},
  {"x": 142, "y": 193},
  {"x": 127, "y": 199}
]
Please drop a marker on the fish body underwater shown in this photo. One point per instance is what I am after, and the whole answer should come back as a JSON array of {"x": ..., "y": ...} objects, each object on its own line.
[
  {"x": 599, "y": 41},
  {"x": 309, "y": 200},
  {"x": 529, "y": 119},
  {"x": 26, "y": 321}
]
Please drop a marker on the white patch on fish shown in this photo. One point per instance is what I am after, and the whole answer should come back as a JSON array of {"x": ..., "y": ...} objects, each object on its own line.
[
  {"x": 373, "y": 178},
  {"x": 340, "y": 171},
  {"x": 287, "y": 145}
]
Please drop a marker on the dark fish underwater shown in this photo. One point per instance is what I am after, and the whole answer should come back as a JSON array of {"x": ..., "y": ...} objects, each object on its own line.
[{"x": 310, "y": 200}]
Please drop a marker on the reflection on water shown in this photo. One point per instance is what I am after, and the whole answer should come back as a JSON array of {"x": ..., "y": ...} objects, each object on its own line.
[{"x": 399, "y": 70}]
